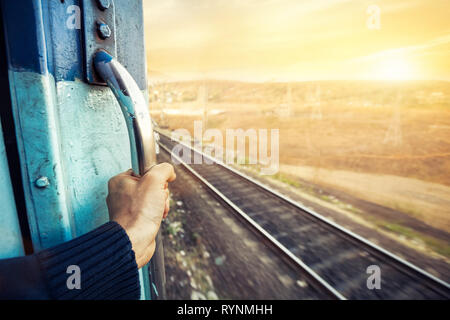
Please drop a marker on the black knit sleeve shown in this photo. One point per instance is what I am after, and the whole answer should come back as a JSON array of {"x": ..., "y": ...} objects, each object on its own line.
[{"x": 103, "y": 258}]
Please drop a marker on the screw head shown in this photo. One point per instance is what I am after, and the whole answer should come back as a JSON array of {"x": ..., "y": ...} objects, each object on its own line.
[
  {"x": 103, "y": 30},
  {"x": 103, "y": 4},
  {"x": 42, "y": 182}
]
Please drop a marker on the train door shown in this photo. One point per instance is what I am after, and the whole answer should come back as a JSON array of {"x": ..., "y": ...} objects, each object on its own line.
[{"x": 64, "y": 130}]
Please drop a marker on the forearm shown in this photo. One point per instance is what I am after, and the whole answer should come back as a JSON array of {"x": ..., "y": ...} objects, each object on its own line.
[{"x": 107, "y": 265}]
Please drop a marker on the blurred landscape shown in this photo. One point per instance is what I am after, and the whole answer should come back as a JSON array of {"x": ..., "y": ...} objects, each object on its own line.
[
  {"x": 381, "y": 141},
  {"x": 360, "y": 93}
]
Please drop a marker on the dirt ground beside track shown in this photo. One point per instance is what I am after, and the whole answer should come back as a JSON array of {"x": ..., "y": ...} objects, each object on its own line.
[
  {"x": 363, "y": 218},
  {"x": 211, "y": 255},
  {"x": 374, "y": 157}
]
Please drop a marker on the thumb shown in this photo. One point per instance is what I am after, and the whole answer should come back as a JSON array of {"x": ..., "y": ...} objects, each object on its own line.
[{"x": 160, "y": 173}]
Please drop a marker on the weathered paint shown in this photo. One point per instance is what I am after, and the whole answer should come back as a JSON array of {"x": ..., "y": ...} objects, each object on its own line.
[
  {"x": 75, "y": 135},
  {"x": 34, "y": 103},
  {"x": 94, "y": 148},
  {"x": 39, "y": 40},
  {"x": 70, "y": 132},
  {"x": 11, "y": 239}
]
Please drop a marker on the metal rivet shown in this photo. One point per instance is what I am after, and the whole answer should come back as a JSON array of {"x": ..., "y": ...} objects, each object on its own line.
[
  {"x": 103, "y": 4},
  {"x": 103, "y": 30},
  {"x": 42, "y": 182}
]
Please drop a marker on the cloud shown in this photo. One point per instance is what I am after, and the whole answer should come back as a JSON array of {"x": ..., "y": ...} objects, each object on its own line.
[
  {"x": 418, "y": 49},
  {"x": 328, "y": 38}
]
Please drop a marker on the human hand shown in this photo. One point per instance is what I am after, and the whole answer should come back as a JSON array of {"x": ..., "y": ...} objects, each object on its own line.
[{"x": 139, "y": 204}]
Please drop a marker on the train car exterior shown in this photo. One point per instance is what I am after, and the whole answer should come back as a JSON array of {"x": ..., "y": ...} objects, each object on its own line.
[{"x": 69, "y": 131}]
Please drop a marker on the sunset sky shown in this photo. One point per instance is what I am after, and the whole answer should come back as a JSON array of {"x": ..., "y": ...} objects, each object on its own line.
[{"x": 263, "y": 40}]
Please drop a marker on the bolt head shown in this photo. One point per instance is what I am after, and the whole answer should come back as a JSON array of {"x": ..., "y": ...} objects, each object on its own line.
[
  {"x": 103, "y": 4},
  {"x": 42, "y": 182},
  {"x": 103, "y": 30}
]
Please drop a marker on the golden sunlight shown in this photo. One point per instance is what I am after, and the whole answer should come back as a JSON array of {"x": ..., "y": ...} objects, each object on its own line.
[
  {"x": 297, "y": 40},
  {"x": 394, "y": 68}
]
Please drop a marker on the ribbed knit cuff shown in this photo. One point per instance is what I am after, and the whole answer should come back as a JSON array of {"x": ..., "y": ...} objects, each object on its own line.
[{"x": 106, "y": 263}]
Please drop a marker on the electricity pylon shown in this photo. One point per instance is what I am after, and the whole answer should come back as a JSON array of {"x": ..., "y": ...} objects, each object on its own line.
[
  {"x": 394, "y": 132},
  {"x": 202, "y": 100},
  {"x": 315, "y": 102}
]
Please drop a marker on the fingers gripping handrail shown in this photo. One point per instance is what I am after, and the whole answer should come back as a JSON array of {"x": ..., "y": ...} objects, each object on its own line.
[{"x": 142, "y": 144}]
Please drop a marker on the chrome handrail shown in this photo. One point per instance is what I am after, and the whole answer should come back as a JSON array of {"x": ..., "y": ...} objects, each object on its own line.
[{"x": 142, "y": 145}]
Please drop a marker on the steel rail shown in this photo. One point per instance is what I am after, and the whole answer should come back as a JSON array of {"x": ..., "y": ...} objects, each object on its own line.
[
  {"x": 294, "y": 259},
  {"x": 348, "y": 233}
]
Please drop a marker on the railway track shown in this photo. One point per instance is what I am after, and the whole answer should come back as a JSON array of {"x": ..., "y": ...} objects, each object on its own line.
[{"x": 333, "y": 258}]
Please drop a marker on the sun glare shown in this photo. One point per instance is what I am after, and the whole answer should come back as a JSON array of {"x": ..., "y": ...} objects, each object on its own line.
[{"x": 394, "y": 68}]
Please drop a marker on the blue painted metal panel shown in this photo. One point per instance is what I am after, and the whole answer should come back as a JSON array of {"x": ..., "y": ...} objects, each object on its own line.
[
  {"x": 130, "y": 39},
  {"x": 68, "y": 131},
  {"x": 64, "y": 49},
  {"x": 20, "y": 19},
  {"x": 11, "y": 239},
  {"x": 40, "y": 41},
  {"x": 33, "y": 98},
  {"x": 94, "y": 142}
]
